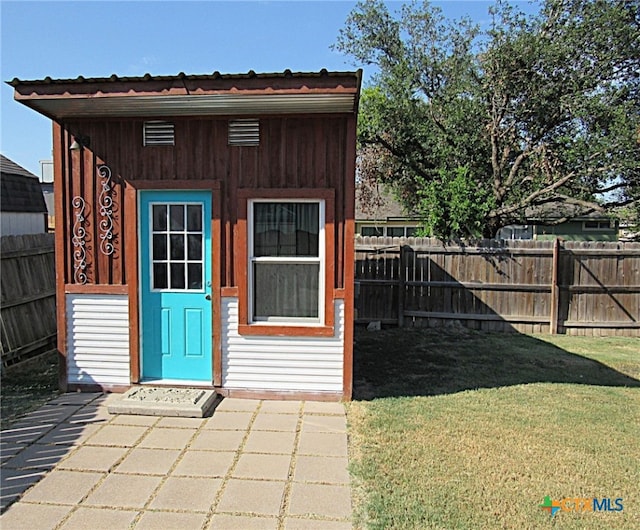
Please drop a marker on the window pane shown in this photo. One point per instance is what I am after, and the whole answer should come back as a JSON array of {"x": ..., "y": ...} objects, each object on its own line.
[
  {"x": 371, "y": 231},
  {"x": 395, "y": 231},
  {"x": 412, "y": 231},
  {"x": 194, "y": 246},
  {"x": 194, "y": 218},
  {"x": 286, "y": 290},
  {"x": 159, "y": 217},
  {"x": 159, "y": 275},
  {"x": 159, "y": 246},
  {"x": 194, "y": 271},
  {"x": 177, "y": 275},
  {"x": 177, "y": 246},
  {"x": 176, "y": 213},
  {"x": 286, "y": 229}
]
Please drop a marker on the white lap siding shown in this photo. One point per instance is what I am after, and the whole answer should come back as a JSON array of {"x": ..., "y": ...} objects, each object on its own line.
[
  {"x": 307, "y": 364},
  {"x": 97, "y": 339}
]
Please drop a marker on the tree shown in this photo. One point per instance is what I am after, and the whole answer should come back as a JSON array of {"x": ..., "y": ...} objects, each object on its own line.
[{"x": 476, "y": 130}]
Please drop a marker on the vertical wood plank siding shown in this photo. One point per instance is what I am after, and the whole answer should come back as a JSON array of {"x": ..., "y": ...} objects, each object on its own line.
[
  {"x": 273, "y": 364},
  {"x": 294, "y": 152},
  {"x": 97, "y": 339}
]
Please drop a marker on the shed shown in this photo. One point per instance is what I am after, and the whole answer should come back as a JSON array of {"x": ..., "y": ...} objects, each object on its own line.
[
  {"x": 22, "y": 207},
  {"x": 205, "y": 230}
]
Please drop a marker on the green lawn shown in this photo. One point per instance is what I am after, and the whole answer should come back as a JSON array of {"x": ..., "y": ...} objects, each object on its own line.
[{"x": 459, "y": 429}]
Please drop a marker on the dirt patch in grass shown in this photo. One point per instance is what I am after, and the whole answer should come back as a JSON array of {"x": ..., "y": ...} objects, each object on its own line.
[{"x": 28, "y": 385}]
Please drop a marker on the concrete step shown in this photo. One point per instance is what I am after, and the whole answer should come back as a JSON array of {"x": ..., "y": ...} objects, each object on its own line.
[{"x": 164, "y": 401}]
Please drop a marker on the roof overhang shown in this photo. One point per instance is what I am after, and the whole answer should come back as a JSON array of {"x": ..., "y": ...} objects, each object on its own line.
[{"x": 192, "y": 95}]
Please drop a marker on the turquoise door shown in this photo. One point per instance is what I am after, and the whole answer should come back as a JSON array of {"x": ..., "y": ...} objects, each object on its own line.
[{"x": 175, "y": 285}]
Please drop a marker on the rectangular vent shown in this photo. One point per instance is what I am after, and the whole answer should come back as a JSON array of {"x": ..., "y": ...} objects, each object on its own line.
[
  {"x": 244, "y": 132},
  {"x": 158, "y": 133}
]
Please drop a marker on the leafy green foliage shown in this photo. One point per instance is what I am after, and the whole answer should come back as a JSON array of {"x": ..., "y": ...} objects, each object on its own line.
[
  {"x": 542, "y": 111},
  {"x": 452, "y": 204}
]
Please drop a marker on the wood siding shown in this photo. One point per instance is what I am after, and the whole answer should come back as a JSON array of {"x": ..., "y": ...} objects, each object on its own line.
[
  {"x": 97, "y": 339},
  {"x": 294, "y": 152},
  {"x": 268, "y": 363}
]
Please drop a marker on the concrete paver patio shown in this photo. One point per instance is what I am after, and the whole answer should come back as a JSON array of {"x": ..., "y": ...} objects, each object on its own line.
[{"x": 253, "y": 464}]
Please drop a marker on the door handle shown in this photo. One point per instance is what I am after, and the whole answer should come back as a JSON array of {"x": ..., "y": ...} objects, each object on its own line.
[{"x": 207, "y": 297}]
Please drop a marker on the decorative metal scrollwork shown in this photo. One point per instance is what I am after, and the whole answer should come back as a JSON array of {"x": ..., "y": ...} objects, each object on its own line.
[
  {"x": 105, "y": 203},
  {"x": 78, "y": 240}
]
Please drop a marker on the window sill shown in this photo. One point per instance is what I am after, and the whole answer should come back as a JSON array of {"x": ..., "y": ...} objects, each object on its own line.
[{"x": 286, "y": 331}]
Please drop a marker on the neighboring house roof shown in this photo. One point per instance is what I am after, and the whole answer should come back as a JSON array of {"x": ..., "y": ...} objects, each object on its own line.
[
  {"x": 20, "y": 189},
  {"x": 382, "y": 207},
  {"x": 552, "y": 212},
  {"x": 192, "y": 95}
]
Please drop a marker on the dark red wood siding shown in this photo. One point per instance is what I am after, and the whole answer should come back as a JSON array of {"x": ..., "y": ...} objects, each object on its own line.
[{"x": 294, "y": 152}]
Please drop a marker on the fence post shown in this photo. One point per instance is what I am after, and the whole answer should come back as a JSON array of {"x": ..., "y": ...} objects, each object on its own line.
[
  {"x": 401, "y": 273},
  {"x": 555, "y": 291}
]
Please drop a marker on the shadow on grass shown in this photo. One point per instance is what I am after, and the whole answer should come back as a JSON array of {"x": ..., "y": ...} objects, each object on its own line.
[{"x": 429, "y": 362}]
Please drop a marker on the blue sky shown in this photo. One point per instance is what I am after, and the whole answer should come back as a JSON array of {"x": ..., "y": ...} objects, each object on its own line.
[{"x": 100, "y": 38}]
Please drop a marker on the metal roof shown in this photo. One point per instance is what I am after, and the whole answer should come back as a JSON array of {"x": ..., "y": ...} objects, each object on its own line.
[
  {"x": 192, "y": 95},
  {"x": 192, "y": 77}
]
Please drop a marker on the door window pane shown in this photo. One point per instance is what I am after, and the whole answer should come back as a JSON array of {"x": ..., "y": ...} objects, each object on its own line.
[
  {"x": 194, "y": 247},
  {"x": 194, "y": 218},
  {"x": 194, "y": 271},
  {"x": 159, "y": 217},
  {"x": 176, "y": 213},
  {"x": 159, "y": 246},
  {"x": 160, "y": 276},
  {"x": 177, "y": 246},
  {"x": 177, "y": 276}
]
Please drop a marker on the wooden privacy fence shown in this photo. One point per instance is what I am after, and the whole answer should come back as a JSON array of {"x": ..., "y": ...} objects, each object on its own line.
[
  {"x": 577, "y": 288},
  {"x": 27, "y": 296}
]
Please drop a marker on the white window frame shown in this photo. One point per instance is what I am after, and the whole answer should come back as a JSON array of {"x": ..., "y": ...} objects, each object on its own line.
[{"x": 251, "y": 259}]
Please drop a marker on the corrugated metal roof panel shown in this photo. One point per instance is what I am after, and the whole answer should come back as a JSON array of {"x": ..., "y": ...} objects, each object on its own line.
[
  {"x": 188, "y": 105},
  {"x": 114, "y": 78},
  {"x": 192, "y": 95}
]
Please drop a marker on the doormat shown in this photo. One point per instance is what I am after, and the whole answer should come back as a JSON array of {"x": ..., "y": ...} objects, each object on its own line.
[{"x": 158, "y": 401}]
